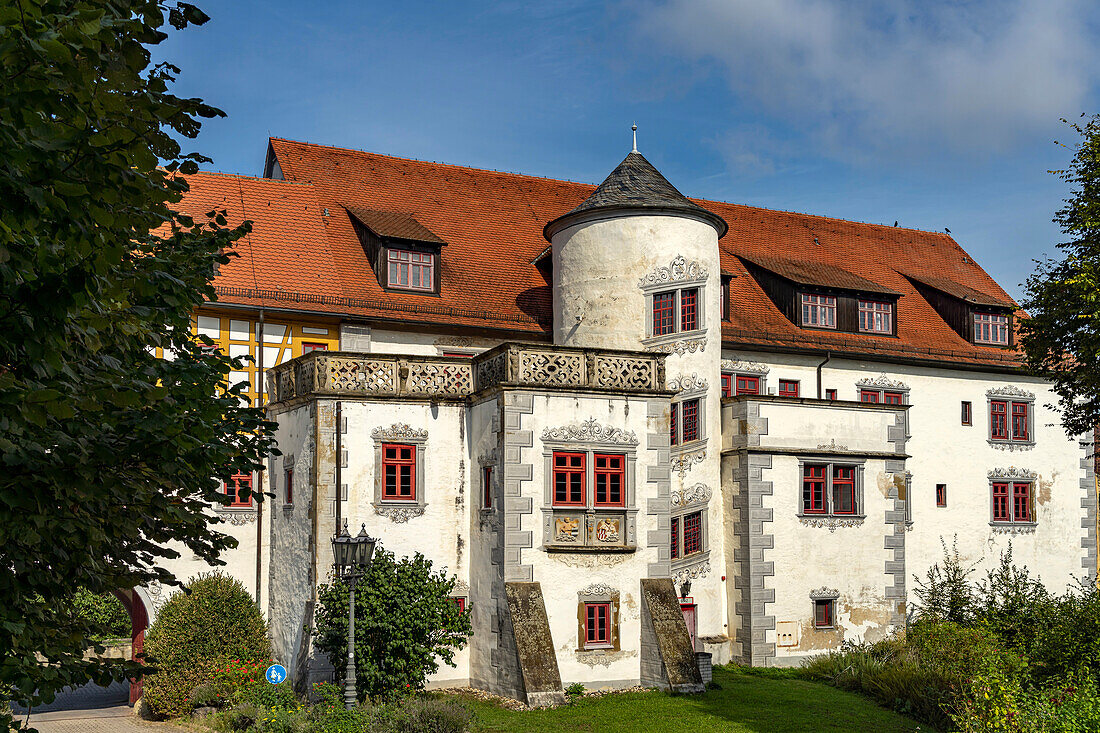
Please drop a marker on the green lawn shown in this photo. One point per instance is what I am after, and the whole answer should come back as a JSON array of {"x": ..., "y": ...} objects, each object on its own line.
[{"x": 748, "y": 703}]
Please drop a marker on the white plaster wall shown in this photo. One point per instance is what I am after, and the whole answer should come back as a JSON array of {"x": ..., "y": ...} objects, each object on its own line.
[
  {"x": 486, "y": 592},
  {"x": 426, "y": 344},
  {"x": 792, "y": 425},
  {"x": 442, "y": 533}
]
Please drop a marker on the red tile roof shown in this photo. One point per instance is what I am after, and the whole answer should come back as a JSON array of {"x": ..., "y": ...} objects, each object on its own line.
[{"x": 492, "y": 223}]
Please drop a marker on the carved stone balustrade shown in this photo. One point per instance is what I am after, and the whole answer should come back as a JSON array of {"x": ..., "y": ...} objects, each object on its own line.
[{"x": 340, "y": 373}]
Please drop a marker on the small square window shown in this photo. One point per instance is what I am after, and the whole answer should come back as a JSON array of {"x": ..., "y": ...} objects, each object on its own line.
[
  {"x": 788, "y": 388},
  {"x": 830, "y": 394},
  {"x": 597, "y": 625},
  {"x": 967, "y": 414},
  {"x": 748, "y": 385},
  {"x": 239, "y": 489},
  {"x": 870, "y": 395},
  {"x": 941, "y": 494},
  {"x": 893, "y": 398},
  {"x": 824, "y": 613},
  {"x": 309, "y": 346}
]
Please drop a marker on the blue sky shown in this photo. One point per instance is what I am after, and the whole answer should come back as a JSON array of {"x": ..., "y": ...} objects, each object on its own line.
[{"x": 934, "y": 114}]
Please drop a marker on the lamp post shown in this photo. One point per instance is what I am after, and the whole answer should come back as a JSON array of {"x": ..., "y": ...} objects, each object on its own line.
[{"x": 352, "y": 556}]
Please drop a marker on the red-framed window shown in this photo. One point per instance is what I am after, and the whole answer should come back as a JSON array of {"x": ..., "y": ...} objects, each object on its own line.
[
  {"x": 727, "y": 385},
  {"x": 998, "y": 420},
  {"x": 288, "y": 485},
  {"x": 1021, "y": 502},
  {"x": 941, "y": 494},
  {"x": 569, "y": 479},
  {"x": 870, "y": 395},
  {"x": 597, "y": 624},
  {"x": 239, "y": 488},
  {"x": 410, "y": 270},
  {"x": 486, "y": 487},
  {"x": 844, "y": 490},
  {"x": 893, "y": 398},
  {"x": 398, "y": 471},
  {"x": 991, "y": 328},
  {"x": 788, "y": 388},
  {"x": 674, "y": 540},
  {"x": 674, "y": 424},
  {"x": 819, "y": 310},
  {"x": 813, "y": 489},
  {"x": 689, "y": 309},
  {"x": 748, "y": 385},
  {"x": 1019, "y": 421},
  {"x": 876, "y": 316},
  {"x": 967, "y": 414},
  {"x": 690, "y": 415},
  {"x": 663, "y": 309},
  {"x": 609, "y": 472},
  {"x": 830, "y": 394},
  {"x": 460, "y": 603},
  {"x": 693, "y": 533},
  {"x": 1001, "y": 509},
  {"x": 823, "y": 613},
  {"x": 309, "y": 346}
]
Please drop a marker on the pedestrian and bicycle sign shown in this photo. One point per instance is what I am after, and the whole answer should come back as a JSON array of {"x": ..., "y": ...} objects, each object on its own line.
[{"x": 275, "y": 674}]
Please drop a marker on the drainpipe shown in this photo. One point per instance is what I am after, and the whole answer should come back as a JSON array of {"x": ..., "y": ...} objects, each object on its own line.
[
  {"x": 259, "y": 403},
  {"x": 823, "y": 363}
]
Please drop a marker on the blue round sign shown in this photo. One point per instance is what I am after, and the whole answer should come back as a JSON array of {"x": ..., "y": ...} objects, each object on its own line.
[{"x": 275, "y": 674}]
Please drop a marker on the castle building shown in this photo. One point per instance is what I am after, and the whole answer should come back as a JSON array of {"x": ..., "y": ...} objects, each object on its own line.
[{"x": 574, "y": 398}]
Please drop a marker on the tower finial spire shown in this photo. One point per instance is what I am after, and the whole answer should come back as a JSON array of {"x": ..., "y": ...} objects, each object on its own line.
[{"x": 634, "y": 129}]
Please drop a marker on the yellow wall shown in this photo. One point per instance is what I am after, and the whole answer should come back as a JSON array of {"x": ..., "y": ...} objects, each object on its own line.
[{"x": 284, "y": 338}]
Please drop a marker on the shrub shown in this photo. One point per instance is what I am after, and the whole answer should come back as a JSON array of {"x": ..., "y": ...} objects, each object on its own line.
[
  {"x": 405, "y": 622},
  {"x": 427, "y": 715},
  {"x": 945, "y": 593},
  {"x": 103, "y": 612},
  {"x": 197, "y": 632},
  {"x": 329, "y": 715},
  {"x": 205, "y": 695},
  {"x": 575, "y": 689},
  {"x": 1064, "y": 641}
]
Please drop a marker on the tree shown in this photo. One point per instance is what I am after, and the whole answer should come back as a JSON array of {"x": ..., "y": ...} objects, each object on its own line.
[
  {"x": 1061, "y": 338},
  {"x": 107, "y": 453},
  {"x": 405, "y": 622}
]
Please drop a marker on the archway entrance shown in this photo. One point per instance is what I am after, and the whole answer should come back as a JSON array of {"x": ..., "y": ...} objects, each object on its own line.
[{"x": 139, "y": 622}]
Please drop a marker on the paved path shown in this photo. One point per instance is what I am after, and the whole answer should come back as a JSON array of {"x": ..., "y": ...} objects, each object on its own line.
[{"x": 93, "y": 709}]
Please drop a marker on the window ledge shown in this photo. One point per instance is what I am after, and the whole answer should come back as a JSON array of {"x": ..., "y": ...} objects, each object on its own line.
[
  {"x": 399, "y": 512},
  {"x": 1013, "y": 527},
  {"x": 287, "y": 508},
  {"x": 689, "y": 446},
  {"x": 832, "y": 522},
  {"x": 590, "y": 549},
  {"x": 1011, "y": 445},
  {"x": 666, "y": 338},
  {"x": 688, "y": 560}
]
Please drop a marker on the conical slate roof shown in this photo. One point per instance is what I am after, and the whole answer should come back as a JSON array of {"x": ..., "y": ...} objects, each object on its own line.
[{"x": 636, "y": 184}]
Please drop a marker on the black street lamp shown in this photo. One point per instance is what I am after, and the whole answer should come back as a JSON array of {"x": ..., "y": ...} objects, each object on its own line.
[{"x": 353, "y": 556}]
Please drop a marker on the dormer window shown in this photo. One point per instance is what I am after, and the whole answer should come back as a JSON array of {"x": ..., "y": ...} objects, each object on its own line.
[
  {"x": 818, "y": 310},
  {"x": 409, "y": 270},
  {"x": 991, "y": 328},
  {"x": 876, "y": 316}
]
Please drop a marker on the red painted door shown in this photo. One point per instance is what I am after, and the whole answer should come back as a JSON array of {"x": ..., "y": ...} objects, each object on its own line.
[{"x": 688, "y": 609}]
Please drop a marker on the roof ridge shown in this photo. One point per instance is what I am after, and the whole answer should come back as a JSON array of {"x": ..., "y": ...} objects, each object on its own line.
[{"x": 693, "y": 199}]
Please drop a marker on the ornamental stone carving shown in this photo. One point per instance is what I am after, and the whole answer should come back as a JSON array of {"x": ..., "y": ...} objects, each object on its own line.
[
  {"x": 1013, "y": 473},
  {"x": 691, "y": 572},
  {"x": 461, "y": 587},
  {"x": 590, "y": 431},
  {"x": 679, "y": 270},
  {"x": 824, "y": 594},
  {"x": 1013, "y": 529},
  {"x": 680, "y": 347},
  {"x": 1010, "y": 391},
  {"x": 1010, "y": 446},
  {"x": 687, "y": 383},
  {"x": 238, "y": 517},
  {"x": 682, "y": 462},
  {"x": 399, "y": 514},
  {"x": 831, "y": 523},
  {"x": 882, "y": 382},
  {"x": 745, "y": 367},
  {"x": 697, "y": 494},
  {"x": 399, "y": 431},
  {"x": 597, "y": 589},
  {"x": 831, "y": 445}
]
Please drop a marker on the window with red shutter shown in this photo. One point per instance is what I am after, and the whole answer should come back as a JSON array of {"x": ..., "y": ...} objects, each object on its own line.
[
  {"x": 597, "y": 624},
  {"x": 398, "y": 472},
  {"x": 239, "y": 489},
  {"x": 1019, "y": 421},
  {"x": 998, "y": 420},
  {"x": 813, "y": 489},
  {"x": 569, "y": 479},
  {"x": 1021, "y": 502},
  {"x": 1000, "y": 503},
  {"x": 830, "y": 394},
  {"x": 844, "y": 490},
  {"x": 748, "y": 385},
  {"x": 870, "y": 395},
  {"x": 674, "y": 423},
  {"x": 892, "y": 398},
  {"x": 823, "y": 614},
  {"x": 788, "y": 388},
  {"x": 941, "y": 495},
  {"x": 727, "y": 385},
  {"x": 610, "y": 476}
]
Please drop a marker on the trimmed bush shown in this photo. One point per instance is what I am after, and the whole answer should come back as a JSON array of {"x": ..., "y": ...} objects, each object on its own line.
[
  {"x": 195, "y": 634},
  {"x": 104, "y": 613}
]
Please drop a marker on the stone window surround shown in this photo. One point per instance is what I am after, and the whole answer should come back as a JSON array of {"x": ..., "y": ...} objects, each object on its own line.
[
  {"x": 883, "y": 383},
  {"x": 590, "y": 448},
  {"x": 288, "y": 465},
  {"x": 491, "y": 463},
  {"x": 402, "y": 434},
  {"x": 1008, "y": 395},
  {"x": 1013, "y": 475},
  {"x": 598, "y": 593},
  {"x": 700, "y": 442},
  {"x": 824, "y": 594},
  {"x": 696, "y": 504},
  {"x": 857, "y": 463},
  {"x": 694, "y": 278}
]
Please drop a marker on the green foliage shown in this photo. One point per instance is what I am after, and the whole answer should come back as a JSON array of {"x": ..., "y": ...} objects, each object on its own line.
[
  {"x": 945, "y": 593},
  {"x": 103, "y": 613},
  {"x": 405, "y": 622},
  {"x": 109, "y": 454},
  {"x": 423, "y": 715},
  {"x": 575, "y": 689},
  {"x": 1061, "y": 338},
  {"x": 197, "y": 635}
]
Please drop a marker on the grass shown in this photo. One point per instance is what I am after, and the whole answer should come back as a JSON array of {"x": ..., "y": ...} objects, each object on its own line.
[{"x": 740, "y": 703}]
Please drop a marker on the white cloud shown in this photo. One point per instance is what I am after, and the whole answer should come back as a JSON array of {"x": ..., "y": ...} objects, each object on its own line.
[{"x": 902, "y": 76}]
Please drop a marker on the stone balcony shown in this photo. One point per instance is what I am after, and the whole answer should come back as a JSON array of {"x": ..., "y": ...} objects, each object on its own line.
[{"x": 353, "y": 374}]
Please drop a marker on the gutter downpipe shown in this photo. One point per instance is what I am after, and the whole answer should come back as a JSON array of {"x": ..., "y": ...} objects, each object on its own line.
[
  {"x": 825, "y": 361},
  {"x": 259, "y": 502}
]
